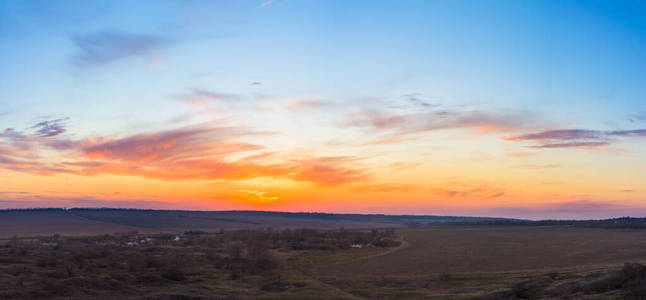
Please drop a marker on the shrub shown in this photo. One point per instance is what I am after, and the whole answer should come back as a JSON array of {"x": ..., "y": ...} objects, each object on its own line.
[
  {"x": 631, "y": 276},
  {"x": 47, "y": 261},
  {"x": 174, "y": 273},
  {"x": 56, "y": 288},
  {"x": 444, "y": 276}
]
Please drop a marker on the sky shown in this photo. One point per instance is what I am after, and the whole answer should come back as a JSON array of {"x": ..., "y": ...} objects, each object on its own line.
[{"x": 528, "y": 109}]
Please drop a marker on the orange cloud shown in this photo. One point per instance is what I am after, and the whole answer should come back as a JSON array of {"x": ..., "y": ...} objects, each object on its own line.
[
  {"x": 258, "y": 196},
  {"x": 469, "y": 191},
  {"x": 193, "y": 153},
  {"x": 202, "y": 153},
  {"x": 536, "y": 167},
  {"x": 328, "y": 170}
]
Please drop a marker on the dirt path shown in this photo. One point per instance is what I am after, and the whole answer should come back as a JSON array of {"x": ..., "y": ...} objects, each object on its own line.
[
  {"x": 316, "y": 278},
  {"x": 403, "y": 245}
]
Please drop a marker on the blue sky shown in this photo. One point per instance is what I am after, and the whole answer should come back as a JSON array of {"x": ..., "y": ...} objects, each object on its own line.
[{"x": 539, "y": 55}]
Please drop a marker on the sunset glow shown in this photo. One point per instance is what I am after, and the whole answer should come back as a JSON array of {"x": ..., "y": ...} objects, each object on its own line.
[{"x": 526, "y": 109}]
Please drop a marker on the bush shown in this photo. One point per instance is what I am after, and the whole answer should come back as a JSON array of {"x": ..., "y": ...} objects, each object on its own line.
[
  {"x": 174, "y": 273},
  {"x": 47, "y": 261},
  {"x": 56, "y": 288},
  {"x": 444, "y": 276},
  {"x": 631, "y": 277}
]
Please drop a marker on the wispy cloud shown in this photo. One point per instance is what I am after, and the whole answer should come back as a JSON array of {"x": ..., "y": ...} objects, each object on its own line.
[
  {"x": 205, "y": 154},
  {"x": 520, "y": 153},
  {"x": 203, "y": 97},
  {"x": 537, "y": 167},
  {"x": 304, "y": 104},
  {"x": 50, "y": 128},
  {"x": 200, "y": 152},
  {"x": 172, "y": 144},
  {"x": 567, "y": 134},
  {"x": 266, "y": 3},
  {"x": 469, "y": 190},
  {"x": 637, "y": 117},
  {"x": 19, "y": 150},
  {"x": 582, "y": 145},
  {"x": 20, "y": 199},
  {"x": 629, "y": 133},
  {"x": 13, "y": 136},
  {"x": 110, "y": 45},
  {"x": 575, "y": 138},
  {"x": 418, "y": 99},
  {"x": 259, "y": 195},
  {"x": 328, "y": 170},
  {"x": 401, "y": 123}
]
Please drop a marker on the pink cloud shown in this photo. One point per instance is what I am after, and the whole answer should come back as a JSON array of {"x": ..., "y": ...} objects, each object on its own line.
[
  {"x": 401, "y": 124},
  {"x": 203, "y": 97},
  {"x": 302, "y": 104},
  {"x": 197, "y": 152}
]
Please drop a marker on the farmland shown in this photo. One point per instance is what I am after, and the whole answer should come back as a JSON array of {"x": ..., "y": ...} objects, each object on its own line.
[
  {"x": 472, "y": 262},
  {"x": 153, "y": 255}
]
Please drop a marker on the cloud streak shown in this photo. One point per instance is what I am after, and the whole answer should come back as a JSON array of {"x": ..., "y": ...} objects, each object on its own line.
[
  {"x": 537, "y": 167},
  {"x": 638, "y": 117},
  {"x": 19, "y": 150},
  {"x": 466, "y": 190},
  {"x": 50, "y": 128},
  {"x": 203, "y": 97},
  {"x": 305, "y": 104},
  {"x": 402, "y": 124},
  {"x": 200, "y": 152},
  {"x": 266, "y": 3},
  {"x": 109, "y": 45},
  {"x": 575, "y": 138}
]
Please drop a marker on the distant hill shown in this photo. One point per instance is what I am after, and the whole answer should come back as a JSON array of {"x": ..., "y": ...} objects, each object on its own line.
[
  {"x": 88, "y": 221},
  {"x": 619, "y": 223}
]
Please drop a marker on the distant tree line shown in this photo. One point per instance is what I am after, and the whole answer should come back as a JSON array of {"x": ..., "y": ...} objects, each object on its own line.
[
  {"x": 623, "y": 222},
  {"x": 382, "y": 218}
]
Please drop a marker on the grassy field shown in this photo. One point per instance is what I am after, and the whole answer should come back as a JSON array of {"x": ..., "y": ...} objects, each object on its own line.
[
  {"x": 449, "y": 262},
  {"x": 40, "y": 223},
  {"x": 503, "y": 249},
  {"x": 473, "y": 262},
  {"x": 99, "y": 221}
]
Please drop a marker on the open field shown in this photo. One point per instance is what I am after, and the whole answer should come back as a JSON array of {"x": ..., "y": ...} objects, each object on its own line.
[
  {"x": 496, "y": 249},
  {"x": 449, "y": 262},
  {"x": 100, "y": 221},
  {"x": 475, "y": 261}
]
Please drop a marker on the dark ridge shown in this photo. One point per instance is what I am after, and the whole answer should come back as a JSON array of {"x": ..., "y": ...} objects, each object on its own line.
[
  {"x": 319, "y": 215},
  {"x": 410, "y": 220},
  {"x": 36, "y": 209},
  {"x": 622, "y": 222}
]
